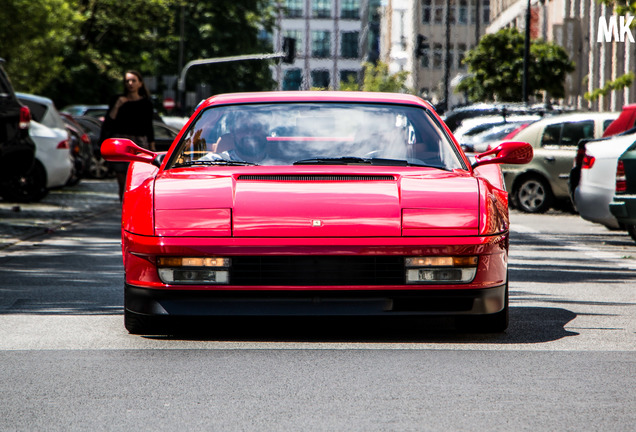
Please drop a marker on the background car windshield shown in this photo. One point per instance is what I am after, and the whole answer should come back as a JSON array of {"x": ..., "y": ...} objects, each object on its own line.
[{"x": 286, "y": 133}]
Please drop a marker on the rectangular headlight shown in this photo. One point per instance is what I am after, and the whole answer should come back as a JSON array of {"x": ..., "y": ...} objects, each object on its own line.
[
  {"x": 440, "y": 270},
  {"x": 194, "y": 270}
]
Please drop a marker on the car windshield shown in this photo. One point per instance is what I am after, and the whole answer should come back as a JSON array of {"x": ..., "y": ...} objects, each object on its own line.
[{"x": 315, "y": 133}]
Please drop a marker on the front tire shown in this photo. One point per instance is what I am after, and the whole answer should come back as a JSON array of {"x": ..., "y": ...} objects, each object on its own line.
[
  {"x": 533, "y": 195},
  {"x": 492, "y": 323},
  {"x": 140, "y": 324}
]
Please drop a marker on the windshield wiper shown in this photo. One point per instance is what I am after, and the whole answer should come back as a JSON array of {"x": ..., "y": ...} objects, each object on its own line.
[
  {"x": 352, "y": 160},
  {"x": 224, "y": 162},
  {"x": 333, "y": 161}
]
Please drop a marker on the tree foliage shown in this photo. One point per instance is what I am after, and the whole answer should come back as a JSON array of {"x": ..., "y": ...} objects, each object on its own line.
[
  {"x": 495, "y": 66},
  {"x": 76, "y": 51},
  {"x": 378, "y": 79},
  {"x": 35, "y": 38}
]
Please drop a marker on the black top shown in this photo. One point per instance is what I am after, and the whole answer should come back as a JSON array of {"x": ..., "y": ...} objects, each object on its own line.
[{"x": 133, "y": 118}]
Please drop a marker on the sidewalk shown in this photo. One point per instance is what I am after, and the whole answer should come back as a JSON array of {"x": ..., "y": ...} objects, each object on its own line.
[{"x": 60, "y": 208}]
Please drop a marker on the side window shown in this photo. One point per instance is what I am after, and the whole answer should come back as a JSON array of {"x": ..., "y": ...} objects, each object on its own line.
[
  {"x": 573, "y": 132},
  {"x": 551, "y": 135}
]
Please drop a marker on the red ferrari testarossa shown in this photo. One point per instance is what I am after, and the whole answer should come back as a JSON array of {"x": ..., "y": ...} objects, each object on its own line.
[{"x": 315, "y": 203}]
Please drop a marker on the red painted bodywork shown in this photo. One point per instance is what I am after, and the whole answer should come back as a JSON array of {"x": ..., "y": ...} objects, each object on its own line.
[
  {"x": 209, "y": 211},
  {"x": 625, "y": 121}
]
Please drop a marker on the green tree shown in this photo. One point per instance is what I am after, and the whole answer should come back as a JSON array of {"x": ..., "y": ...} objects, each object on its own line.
[
  {"x": 378, "y": 79},
  {"x": 495, "y": 66},
  {"x": 76, "y": 51},
  {"x": 35, "y": 37}
]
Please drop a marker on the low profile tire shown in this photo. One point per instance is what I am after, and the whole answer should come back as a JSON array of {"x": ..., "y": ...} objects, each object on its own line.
[
  {"x": 533, "y": 195},
  {"x": 493, "y": 323},
  {"x": 30, "y": 187},
  {"x": 631, "y": 230},
  {"x": 145, "y": 325}
]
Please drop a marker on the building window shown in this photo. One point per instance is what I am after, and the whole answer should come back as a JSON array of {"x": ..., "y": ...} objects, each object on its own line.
[
  {"x": 320, "y": 44},
  {"x": 438, "y": 54},
  {"x": 486, "y": 11},
  {"x": 293, "y": 8},
  {"x": 349, "y": 44},
  {"x": 426, "y": 11},
  {"x": 348, "y": 76},
  {"x": 320, "y": 78},
  {"x": 438, "y": 13},
  {"x": 350, "y": 9},
  {"x": 425, "y": 61},
  {"x": 298, "y": 35},
  {"x": 321, "y": 8},
  {"x": 463, "y": 12},
  {"x": 461, "y": 53},
  {"x": 293, "y": 79},
  {"x": 451, "y": 14}
]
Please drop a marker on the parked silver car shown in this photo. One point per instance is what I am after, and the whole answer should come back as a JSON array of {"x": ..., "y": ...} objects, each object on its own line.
[{"x": 536, "y": 186}]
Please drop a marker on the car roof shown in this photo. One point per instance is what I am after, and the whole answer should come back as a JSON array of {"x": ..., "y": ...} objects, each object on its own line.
[
  {"x": 39, "y": 99},
  {"x": 579, "y": 116},
  {"x": 316, "y": 96}
]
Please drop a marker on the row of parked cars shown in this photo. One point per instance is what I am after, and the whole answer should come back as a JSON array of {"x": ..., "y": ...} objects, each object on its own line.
[
  {"x": 579, "y": 158},
  {"x": 42, "y": 148}
]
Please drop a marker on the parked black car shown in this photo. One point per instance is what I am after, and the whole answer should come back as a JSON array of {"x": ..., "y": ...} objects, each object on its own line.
[
  {"x": 98, "y": 167},
  {"x": 81, "y": 148},
  {"x": 164, "y": 135},
  {"x": 17, "y": 150},
  {"x": 623, "y": 206}
]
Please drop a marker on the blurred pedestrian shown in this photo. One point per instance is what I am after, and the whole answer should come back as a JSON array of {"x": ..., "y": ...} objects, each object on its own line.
[{"x": 130, "y": 116}]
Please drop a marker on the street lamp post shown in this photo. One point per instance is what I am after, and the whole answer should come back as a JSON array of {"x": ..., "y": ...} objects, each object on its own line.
[{"x": 526, "y": 56}]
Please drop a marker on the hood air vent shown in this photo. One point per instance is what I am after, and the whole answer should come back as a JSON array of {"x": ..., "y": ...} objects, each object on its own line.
[{"x": 316, "y": 177}]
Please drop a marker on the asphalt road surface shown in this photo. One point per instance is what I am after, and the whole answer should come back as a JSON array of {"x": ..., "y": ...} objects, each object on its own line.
[{"x": 567, "y": 361}]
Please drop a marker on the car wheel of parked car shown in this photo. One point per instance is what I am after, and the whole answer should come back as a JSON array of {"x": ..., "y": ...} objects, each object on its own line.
[
  {"x": 98, "y": 168},
  {"x": 631, "y": 230},
  {"x": 532, "y": 195},
  {"x": 30, "y": 187},
  {"x": 494, "y": 323}
]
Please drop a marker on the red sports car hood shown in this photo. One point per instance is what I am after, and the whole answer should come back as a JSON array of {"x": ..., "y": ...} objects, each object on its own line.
[{"x": 340, "y": 204}]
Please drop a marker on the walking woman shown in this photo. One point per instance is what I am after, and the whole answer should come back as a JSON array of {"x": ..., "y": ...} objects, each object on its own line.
[{"x": 130, "y": 116}]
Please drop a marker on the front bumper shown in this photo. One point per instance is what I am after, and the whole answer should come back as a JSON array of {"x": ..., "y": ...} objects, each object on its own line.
[
  {"x": 197, "y": 303},
  {"x": 624, "y": 209}
]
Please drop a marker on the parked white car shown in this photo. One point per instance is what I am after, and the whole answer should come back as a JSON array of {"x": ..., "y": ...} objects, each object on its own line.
[
  {"x": 471, "y": 127},
  {"x": 597, "y": 181},
  {"x": 52, "y": 168},
  {"x": 483, "y": 141}
]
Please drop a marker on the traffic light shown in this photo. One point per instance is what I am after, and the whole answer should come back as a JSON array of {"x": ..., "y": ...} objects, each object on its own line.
[
  {"x": 419, "y": 45},
  {"x": 289, "y": 48}
]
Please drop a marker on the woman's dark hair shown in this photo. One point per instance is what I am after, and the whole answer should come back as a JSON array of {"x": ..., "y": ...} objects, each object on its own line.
[{"x": 143, "y": 91}]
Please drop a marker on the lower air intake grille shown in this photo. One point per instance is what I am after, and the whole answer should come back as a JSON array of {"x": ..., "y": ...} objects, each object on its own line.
[
  {"x": 317, "y": 270},
  {"x": 314, "y": 177}
]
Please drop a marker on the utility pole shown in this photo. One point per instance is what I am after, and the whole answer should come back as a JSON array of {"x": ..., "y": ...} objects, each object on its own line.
[
  {"x": 288, "y": 54},
  {"x": 447, "y": 59},
  {"x": 526, "y": 56},
  {"x": 180, "y": 64}
]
